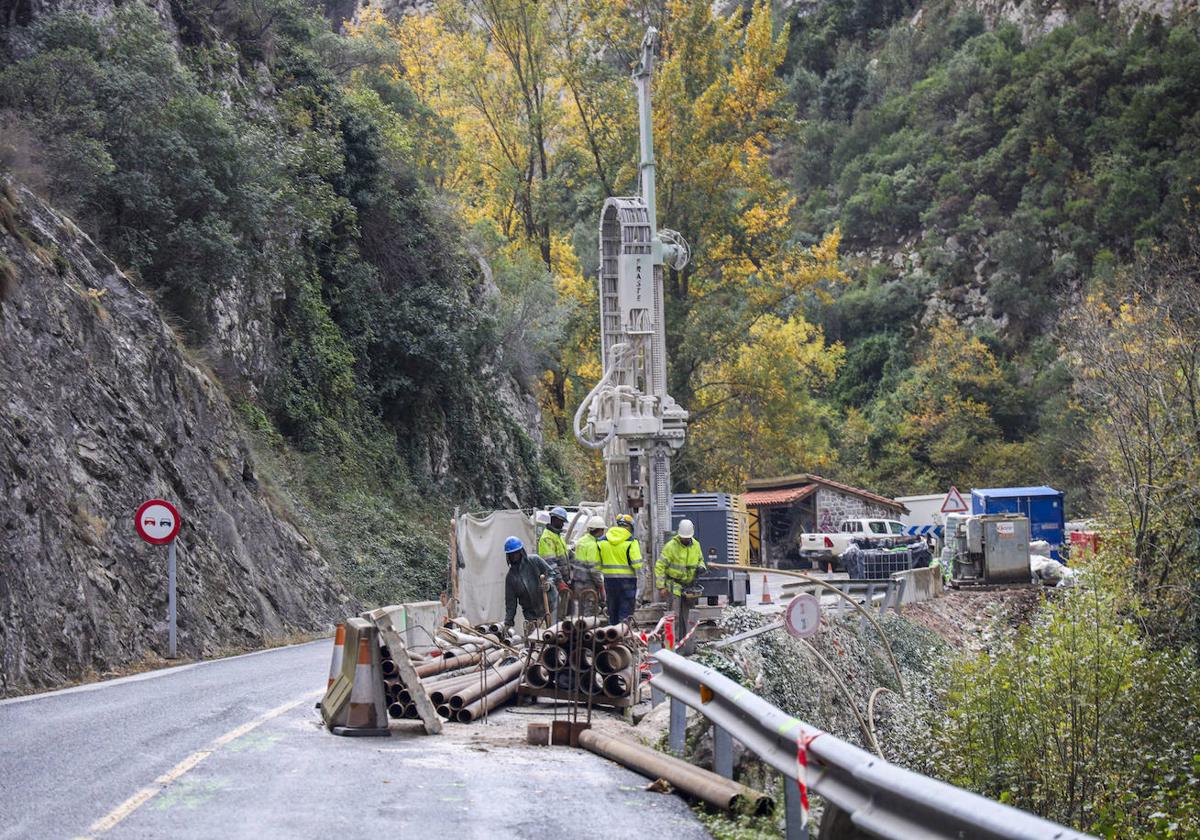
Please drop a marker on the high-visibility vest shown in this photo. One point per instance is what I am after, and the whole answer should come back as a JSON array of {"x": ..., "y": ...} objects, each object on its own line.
[
  {"x": 678, "y": 564},
  {"x": 551, "y": 546},
  {"x": 587, "y": 552},
  {"x": 620, "y": 554}
]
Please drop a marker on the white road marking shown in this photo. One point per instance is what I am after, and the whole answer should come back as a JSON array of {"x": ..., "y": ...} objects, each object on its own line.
[
  {"x": 164, "y": 781},
  {"x": 149, "y": 675}
]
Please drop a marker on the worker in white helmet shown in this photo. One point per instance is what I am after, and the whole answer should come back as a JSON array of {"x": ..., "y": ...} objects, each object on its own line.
[
  {"x": 678, "y": 564},
  {"x": 586, "y": 569}
]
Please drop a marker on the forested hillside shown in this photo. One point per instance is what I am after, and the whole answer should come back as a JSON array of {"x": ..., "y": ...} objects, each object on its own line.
[
  {"x": 379, "y": 230},
  {"x": 279, "y": 212},
  {"x": 983, "y": 184}
]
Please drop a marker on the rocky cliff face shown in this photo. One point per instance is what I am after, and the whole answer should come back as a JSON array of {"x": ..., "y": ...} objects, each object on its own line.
[{"x": 101, "y": 408}]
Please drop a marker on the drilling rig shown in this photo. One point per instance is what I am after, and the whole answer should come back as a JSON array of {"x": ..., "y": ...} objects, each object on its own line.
[{"x": 629, "y": 414}]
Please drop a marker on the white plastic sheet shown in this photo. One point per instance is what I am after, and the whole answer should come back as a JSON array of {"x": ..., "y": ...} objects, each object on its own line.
[{"x": 481, "y": 547}]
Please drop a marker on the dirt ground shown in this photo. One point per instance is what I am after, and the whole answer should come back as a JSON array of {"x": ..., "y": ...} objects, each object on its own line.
[{"x": 969, "y": 619}]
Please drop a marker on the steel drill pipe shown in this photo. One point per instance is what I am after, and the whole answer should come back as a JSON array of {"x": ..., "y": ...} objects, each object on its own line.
[
  {"x": 446, "y": 662},
  {"x": 694, "y": 781},
  {"x": 582, "y": 625},
  {"x": 537, "y": 675},
  {"x": 487, "y": 702},
  {"x": 396, "y": 710},
  {"x": 456, "y": 671},
  {"x": 591, "y": 683},
  {"x": 445, "y": 712},
  {"x": 442, "y": 692},
  {"x": 490, "y": 681},
  {"x": 613, "y": 659},
  {"x": 404, "y": 696},
  {"x": 554, "y": 658},
  {"x": 582, "y": 659},
  {"x": 617, "y": 685}
]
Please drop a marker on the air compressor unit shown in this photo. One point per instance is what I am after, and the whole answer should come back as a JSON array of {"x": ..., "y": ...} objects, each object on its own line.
[{"x": 987, "y": 549}]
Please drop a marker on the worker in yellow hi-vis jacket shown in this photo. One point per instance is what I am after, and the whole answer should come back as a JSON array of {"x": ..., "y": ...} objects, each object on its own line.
[
  {"x": 681, "y": 560},
  {"x": 620, "y": 561}
]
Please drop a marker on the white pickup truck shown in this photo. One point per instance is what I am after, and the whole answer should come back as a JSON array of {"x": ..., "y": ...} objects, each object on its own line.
[{"x": 825, "y": 546}]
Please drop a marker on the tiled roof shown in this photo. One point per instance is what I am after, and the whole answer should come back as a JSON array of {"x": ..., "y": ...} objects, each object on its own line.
[
  {"x": 770, "y": 498},
  {"x": 806, "y": 483}
]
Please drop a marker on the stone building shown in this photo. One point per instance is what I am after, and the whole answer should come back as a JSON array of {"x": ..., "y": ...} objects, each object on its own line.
[{"x": 791, "y": 505}]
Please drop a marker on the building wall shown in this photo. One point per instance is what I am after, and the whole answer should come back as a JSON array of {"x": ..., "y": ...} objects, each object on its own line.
[
  {"x": 923, "y": 510},
  {"x": 834, "y": 506}
]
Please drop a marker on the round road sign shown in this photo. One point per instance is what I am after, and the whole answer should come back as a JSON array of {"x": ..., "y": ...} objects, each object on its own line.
[
  {"x": 157, "y": 521},
  {"x": 803, "y": 615}
]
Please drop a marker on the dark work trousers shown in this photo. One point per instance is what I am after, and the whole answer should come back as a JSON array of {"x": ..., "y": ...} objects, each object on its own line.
[
  {"x": 680, "y": 605},
  {"x": 621, "y": 591}
]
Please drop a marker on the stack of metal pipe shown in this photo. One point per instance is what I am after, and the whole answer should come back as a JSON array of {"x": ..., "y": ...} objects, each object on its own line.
[
  {"x": 466, "y": 674},
  {"x": 582, "y": 659}
]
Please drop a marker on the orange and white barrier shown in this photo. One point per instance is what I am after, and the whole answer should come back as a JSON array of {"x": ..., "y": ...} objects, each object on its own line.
[
  {"x": 339, "y": 647},
  {"x": 362, "y": 696}
]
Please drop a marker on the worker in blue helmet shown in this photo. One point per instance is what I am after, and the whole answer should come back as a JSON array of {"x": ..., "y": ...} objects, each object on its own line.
[
  {"x": 552, "y": 547},
  {"x": 531, "y": 582}
]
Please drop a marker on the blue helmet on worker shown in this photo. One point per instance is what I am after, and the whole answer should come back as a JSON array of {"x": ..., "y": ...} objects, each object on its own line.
[{"x": 513, "y": 544}]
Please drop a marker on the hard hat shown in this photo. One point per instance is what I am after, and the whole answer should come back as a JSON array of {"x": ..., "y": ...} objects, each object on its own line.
[
  {"x": 513, "y": 544},
  {"x": 596, "y": 523},
  {"x": 625, "y": 520},
  {"x": 541, "y": 518},
  {"x": 560, "y": 512},
  {"x": 686, "y": 529}
]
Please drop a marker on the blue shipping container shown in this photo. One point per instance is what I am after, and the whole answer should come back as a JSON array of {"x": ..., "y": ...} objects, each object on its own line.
[{"x": 1042, "y": 505}]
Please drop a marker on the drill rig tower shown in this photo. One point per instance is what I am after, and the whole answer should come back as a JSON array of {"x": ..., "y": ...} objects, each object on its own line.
[{"x": 630, "y": 415}]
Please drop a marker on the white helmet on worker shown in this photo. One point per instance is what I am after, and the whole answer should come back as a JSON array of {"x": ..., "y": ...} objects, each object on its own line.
[
  {"x": 542, "y": 517},
  {"x": 596, "y": 523},
  {"x": 686, "y": 529}
]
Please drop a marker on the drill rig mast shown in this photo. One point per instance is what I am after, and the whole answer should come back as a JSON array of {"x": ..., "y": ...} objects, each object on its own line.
[{"x": 629, "y": 414}]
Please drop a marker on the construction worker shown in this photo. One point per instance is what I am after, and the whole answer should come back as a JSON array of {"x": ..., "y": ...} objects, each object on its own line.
[
  {"x": 681, "y": 560},
  {"x": 586, "y": 567},
  {"x": 553, "y": 549},
  {"x": 620, "y": 561},
  {"x": 530, "y": 582}
]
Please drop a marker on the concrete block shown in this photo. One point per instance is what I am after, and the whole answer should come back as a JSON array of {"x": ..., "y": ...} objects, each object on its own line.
[{"x": 920, "y": 584}]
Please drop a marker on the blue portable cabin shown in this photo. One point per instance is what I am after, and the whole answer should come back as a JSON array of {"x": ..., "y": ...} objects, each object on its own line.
[{"x": 1042, "y": 505}]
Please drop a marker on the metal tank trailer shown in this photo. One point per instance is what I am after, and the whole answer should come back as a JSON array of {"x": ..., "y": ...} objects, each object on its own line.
[{"x": 987, "y": 549}]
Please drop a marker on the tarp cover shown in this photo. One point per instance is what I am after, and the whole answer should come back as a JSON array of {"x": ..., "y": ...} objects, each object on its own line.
[{"x": 481, "y": 548}]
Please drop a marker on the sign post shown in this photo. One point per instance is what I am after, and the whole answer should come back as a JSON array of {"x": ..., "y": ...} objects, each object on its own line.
[{"x": 157, "y": 522}]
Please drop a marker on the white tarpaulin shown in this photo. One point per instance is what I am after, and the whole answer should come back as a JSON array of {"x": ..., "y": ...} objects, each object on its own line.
[{"x": 481, "y": 548}]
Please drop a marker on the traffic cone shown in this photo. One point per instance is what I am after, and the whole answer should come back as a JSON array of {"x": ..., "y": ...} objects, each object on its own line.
[
  {"x": 766, "y": 595},
  {"x": 366, "y": 697},
  {"x": 339, "y": 646}
]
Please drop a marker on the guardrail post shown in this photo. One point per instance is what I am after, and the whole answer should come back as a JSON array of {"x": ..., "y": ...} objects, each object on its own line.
[
  {"x": 656, "y": 696},
  {"x": 793, "y": 813},
  {"x": 678, "y": 730},
  {"x": 722, "y": 752}
]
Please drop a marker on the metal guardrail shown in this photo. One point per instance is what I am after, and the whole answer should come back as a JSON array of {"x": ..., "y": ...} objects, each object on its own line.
[
  {"x": 891, "y": 590},
  {"x": 866, "y": 796}
]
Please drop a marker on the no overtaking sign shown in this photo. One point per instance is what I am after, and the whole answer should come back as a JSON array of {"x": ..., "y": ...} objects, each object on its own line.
[{"x": 157, "y": 521}]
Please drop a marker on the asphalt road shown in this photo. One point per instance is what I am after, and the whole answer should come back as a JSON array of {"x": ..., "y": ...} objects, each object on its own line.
[{"x": 233, "y": 748}]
